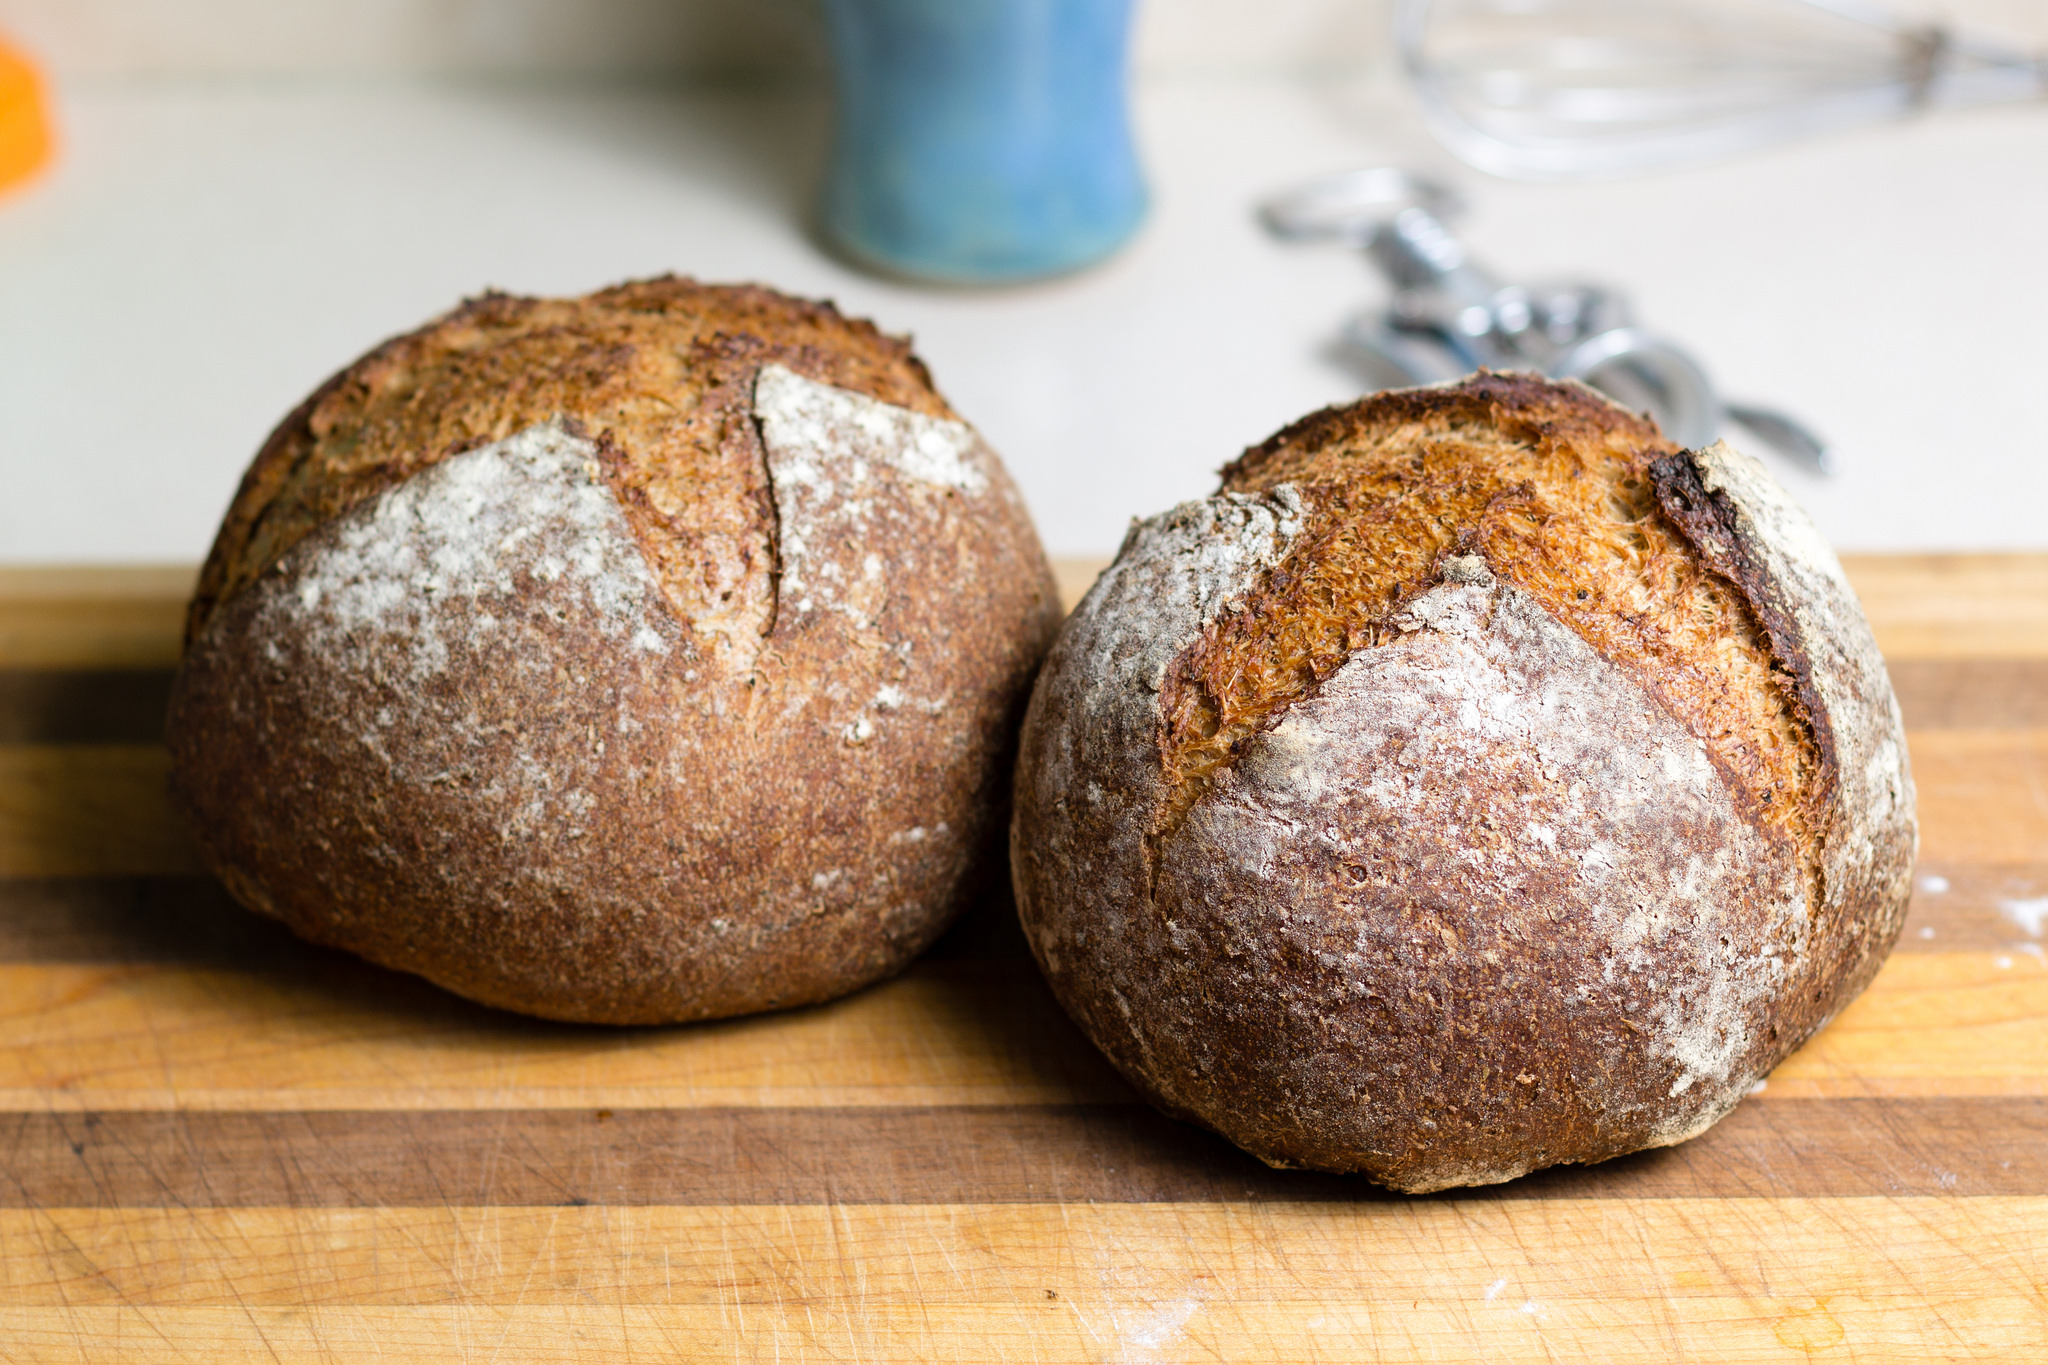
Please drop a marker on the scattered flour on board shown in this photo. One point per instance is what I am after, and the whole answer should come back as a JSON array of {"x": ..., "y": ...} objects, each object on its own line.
[
  {"x": 1151, "y": 1331},
  {"x": 2027, "y": 914}
]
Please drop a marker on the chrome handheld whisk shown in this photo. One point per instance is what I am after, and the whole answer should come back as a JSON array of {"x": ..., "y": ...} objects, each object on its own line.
[{"x": 1583, "y": 89}]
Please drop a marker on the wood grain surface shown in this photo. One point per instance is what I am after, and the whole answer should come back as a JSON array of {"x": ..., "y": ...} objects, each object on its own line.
[{"x": 220, "y": 1144}]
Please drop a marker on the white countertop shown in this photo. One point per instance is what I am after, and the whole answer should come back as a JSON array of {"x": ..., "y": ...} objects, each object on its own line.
[{"x": 206, "y": 253}]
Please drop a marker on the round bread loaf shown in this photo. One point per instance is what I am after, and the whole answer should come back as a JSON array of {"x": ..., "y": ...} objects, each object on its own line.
[
  {"x": 649, "y": 656},
  {"x": 1476, "y": 782}
]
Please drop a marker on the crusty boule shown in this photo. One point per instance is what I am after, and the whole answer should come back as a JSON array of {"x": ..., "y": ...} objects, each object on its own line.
[
  {"x": 1476, "y": 782},
  {"x": 654, "y": 655}
]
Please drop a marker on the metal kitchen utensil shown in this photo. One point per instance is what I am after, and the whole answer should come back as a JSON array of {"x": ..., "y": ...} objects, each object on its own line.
[
  {"x": 1583, "y": 89},
  {"x": 1449, "y": 316}
]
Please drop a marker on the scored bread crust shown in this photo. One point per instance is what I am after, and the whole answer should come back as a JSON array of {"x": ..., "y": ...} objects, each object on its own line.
[
  {"x": 644, "y": 657},
  {"x": 1476, "y": 783},
  {"x": 666, "y": 366}
]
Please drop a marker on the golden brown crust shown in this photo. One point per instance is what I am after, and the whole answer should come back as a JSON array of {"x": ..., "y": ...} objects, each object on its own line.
[
  {"x": 663, "y": 367},
  {"x": 1554, "y": 487},
  {"x": 492, "y": 679},
  {"x": 1476, "y": 783}
]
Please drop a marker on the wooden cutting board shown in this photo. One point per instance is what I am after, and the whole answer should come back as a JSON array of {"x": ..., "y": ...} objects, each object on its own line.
[{"x": 220, "y": 1145}]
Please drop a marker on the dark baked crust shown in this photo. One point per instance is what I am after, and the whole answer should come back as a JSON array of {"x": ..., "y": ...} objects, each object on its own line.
[
  {"x": 665, "y": 366},
  {"x": 489, "y": 680},
  {"x": 1477, "y": 783},
  {"x": 1553, "y": 486}
]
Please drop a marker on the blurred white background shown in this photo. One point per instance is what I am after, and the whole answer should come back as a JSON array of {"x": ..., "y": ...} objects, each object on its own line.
[
  {"x": 253, "y": 192},
  {"x": 720, "y": 39}
]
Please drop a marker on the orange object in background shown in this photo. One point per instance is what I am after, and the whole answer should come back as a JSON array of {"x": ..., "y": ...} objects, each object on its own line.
[{"x": 25, "y": 137}]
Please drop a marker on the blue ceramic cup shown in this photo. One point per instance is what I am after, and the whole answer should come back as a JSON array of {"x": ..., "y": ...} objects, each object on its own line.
[{"x": 981, "y": 141}]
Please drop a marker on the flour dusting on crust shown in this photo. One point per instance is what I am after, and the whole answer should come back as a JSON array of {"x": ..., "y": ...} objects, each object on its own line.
[
  {"x": 1174, "y": 575},
  {"x": 1867, "y": 855},
  {"x": 1484, "y": 752},
  {"x": 850, "y": 473},
  {"x": 433, "y": 554},
  {"x": 449, "y": 574},
  {"x": 832, "y": 458},
  {"x": 520, "y": 715},
  {"x": 1481, "y": 898}
]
